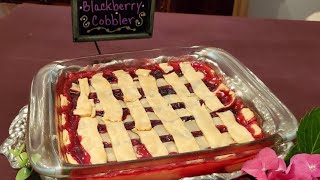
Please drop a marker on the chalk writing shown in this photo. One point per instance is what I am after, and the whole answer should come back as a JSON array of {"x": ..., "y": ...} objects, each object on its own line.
[{"x": 113, "y": 17}]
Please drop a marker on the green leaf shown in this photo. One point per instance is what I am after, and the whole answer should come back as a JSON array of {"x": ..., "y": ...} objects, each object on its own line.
[
  {"x": 294, "y": 150},
  {"x": 21, "y": 148},
  {"x": 23, "y": 159},
  {"x": 24, "y": 156},
  {"x": 308, "y": 134},
  {"x": 23, "y": 174},
  {"x": 15, "y": 152}
]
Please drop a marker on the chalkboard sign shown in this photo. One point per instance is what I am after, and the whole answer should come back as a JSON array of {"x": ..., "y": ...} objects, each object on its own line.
[{"x": 95, "y": 20}]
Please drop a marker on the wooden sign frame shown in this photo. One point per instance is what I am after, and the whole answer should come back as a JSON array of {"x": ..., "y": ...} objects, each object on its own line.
[{"x": 77, "y": 37}]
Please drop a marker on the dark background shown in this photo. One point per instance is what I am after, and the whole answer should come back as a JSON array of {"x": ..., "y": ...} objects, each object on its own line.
[{"x": 216, "y": 7}]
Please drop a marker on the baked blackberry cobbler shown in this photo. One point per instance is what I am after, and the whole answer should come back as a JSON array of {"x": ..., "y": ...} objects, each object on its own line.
[{"x": 119, "y": 114}]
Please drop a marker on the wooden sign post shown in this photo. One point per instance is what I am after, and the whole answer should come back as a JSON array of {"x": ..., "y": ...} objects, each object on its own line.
[{"x": 95, "y": 20}]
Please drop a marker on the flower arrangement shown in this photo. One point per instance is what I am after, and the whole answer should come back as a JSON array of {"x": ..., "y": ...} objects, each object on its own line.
[{"x": 303, "y": 159}]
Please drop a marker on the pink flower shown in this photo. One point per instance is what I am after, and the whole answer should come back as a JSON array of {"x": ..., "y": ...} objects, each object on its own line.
[
  {"x": 266, "y": 160},
  {"x": 305, "y": 166},
  {"x": 266, "y": 165},
  {"x": 270, "y": 160},
  {"x": 255, "y": 168},
  {"x": 279, "y": 175}
]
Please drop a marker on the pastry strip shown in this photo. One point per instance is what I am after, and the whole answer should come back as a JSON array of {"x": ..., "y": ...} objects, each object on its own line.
[
  {"x": 111, "y": 107},
  {"x": 84, "y": 106},
  {"x": 247, "y": 114},
  {"x": 162, "y": 109},
  {"x": 152, "y": 142},
  {"x": 127, "y": 86},
  {"x": 239, "y": 133},
  {"x": 183, "y": 138},
  {"x": 170, "y": 119},
  {"x": 71, "y": 159},
  {"x": 200, "y": 113},
  {"x": 142, "y": 122},
  {"x": 63, "y": 100},
  {"x": 139, "y": 115},
  {"x": 178, "y": 86},
  {"x": 131, "y": 97},
  {"x": 91, "y": 140},
  {"x": 165, "y": 67},
  {"x": 121, "y": 142},
  {"x": 199, "y": 88},
  {"x": 206, "y": 124},
  {"x": 149, "y": 85},
  {"x": 66, "y": 142}
]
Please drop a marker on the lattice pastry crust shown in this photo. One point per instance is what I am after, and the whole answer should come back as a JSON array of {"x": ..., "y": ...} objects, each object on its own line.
[{"x": 147, "y": 115}]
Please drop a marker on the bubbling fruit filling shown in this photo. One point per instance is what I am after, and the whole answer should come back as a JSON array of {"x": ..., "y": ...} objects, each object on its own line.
[{"x": 120, "y": 114}]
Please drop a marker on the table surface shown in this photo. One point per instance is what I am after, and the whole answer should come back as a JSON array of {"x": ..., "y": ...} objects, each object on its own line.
[{"x": 285, "y": 55}]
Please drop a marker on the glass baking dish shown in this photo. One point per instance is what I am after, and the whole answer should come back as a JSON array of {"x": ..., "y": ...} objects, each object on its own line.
[{"x": 43, "y": 140}]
